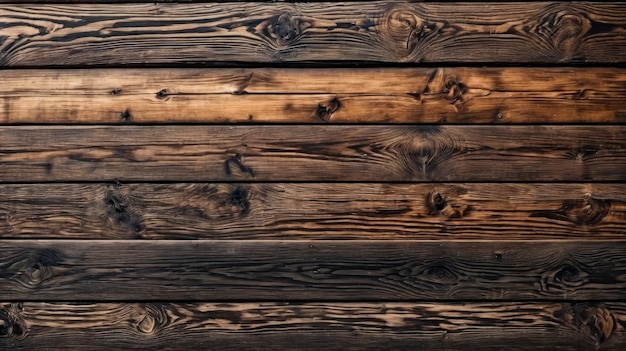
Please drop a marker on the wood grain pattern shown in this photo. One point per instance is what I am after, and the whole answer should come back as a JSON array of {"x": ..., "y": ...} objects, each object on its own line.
[
  {"x": 377, "y": 31},
  {"x": 337, "y": 326},
  {"x": 313, "y": 211},
  {"x": 342, "y": 212},
  {"x": 313, "y": 153},
  {"x": 368, "y": 270},
  {"x": 369, "y": 95}
]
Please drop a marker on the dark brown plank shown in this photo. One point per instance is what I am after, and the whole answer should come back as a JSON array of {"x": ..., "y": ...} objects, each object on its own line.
[
  {"x": 260, "y": 270},
  {"x": 313, "y": 153},
  {"x": 313, "y": 211},
  {"x": 377, "y": 31},
  {"x": 336, "y": 326},
  {"x": 391, "y": 95}
]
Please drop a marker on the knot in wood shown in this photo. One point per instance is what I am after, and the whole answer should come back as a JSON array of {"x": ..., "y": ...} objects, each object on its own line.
[
  {"x": 586, "y": 152},
  {"x": 125, "y": 116},
  {"x": 284, "y": 29},
  {"x": 425, "y": 149},
  {"x": 402, "y": 29},
  {"x": 589, "y": 211},
  {"x": 568, "y": 275},
  {"x": 119, "y": 210},
  {"x": 436, "y": 202},
  {"x": 565, "y": 30},
  {"x": 35, "y": 266},
  {"x": 11, "y": 323},
  {"x": 594, "y": 321},
  {"x": 239, "y": 197},
  {"x": 237, "y": 163},
  {"x": 439, "y": 273},
  {"x": 6, "y": 325},
  {"x": 162, "y": 94},
  {"x": 151, "y": 318},
  {"x": 453, "y": 90},
  {"x": 325, "y": 112},
  {"x": 563, "y": 278}
]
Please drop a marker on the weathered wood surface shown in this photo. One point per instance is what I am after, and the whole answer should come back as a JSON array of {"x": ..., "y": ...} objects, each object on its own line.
[
  {"x": 353, "y": 270},
  {"x": 336, "y": 326},
  {"x": 313, "y": 153},
  {"x": 313, "y": 211},
  {"x": 377, "y": 31},
  {"x": 370, "y": 95}
]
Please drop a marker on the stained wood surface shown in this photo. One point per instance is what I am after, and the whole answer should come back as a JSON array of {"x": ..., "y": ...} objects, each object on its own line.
[
  {"x": 313, "y": 211},
  {"x": 337, "y": 326},
  {"x": 370, "y": 95},
  {"x": 135, "y": 215},
  {"x": 377, "y": 31},
  {"x": 313, "y": 153},
  {"x": 105, "y": 270}
]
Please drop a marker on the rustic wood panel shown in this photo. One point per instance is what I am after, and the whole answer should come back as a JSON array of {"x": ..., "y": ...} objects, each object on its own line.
[
  {"x": 370, "y": 95},
  {"x": 313, "y": 153},
  {"x": 352, "y": 270},
  {"x": 377, "y": 31},
  {"x": 336, "y": 326},
  {"x": 313, "y": 211}
]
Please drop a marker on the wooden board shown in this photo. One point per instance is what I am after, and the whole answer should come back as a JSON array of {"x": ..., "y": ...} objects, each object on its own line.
[
  {"x": 313, "y": 153},
  {"x": 313, "y": 211},
  {"x": 376, "y": 31},
  {"x": 337, "y": 326},
  {"x": 370, "y": 95},
  {"x": 105, "y": 270}
]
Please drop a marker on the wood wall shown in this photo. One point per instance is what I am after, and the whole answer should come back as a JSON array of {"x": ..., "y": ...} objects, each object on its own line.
[{"x": 312, "y": 175}]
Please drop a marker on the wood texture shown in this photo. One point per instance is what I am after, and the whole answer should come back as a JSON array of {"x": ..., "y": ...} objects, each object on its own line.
[
  {"x": 313, "y": 211},
  {"x": 370, "y": 95},
  {"x": 377, "y": 31},
  {"x": 105, "y": 270},
  {"x": 313, "y": 153},
  {"x": 336, "y": 326}
]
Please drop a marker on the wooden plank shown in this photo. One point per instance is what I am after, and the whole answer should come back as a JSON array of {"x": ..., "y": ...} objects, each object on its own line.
[
  {"x": 313, "y": 211},
  {"x": 369, "y": 95},
  {"x": 105, "y": 270},
  {"x": 337, "y": 326},
  {"x": 377, "y": 31},
  {"x": 313, "y": 153}
]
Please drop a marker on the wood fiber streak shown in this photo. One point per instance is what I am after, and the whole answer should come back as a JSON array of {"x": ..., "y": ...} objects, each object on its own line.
[
  {"x": 313, "y": 211},
  {"x": 344, "y": 326},
  {"x": 377, "y": 31},
  {"x": 104, "y": 270},
  {"x": 369, "y": 95},
  {"x": 313, "y": 153}
]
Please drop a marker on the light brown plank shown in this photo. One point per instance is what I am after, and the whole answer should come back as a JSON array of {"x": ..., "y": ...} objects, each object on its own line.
[
  {"x": 393, "y": 95},
  {"x": 313, "y": 211},
  {"x": 105, "y": 270},
  {"x": 336, "y": 326},
  {"x": 313, "y": 153},
  {"x": 376, "y": 31}
]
